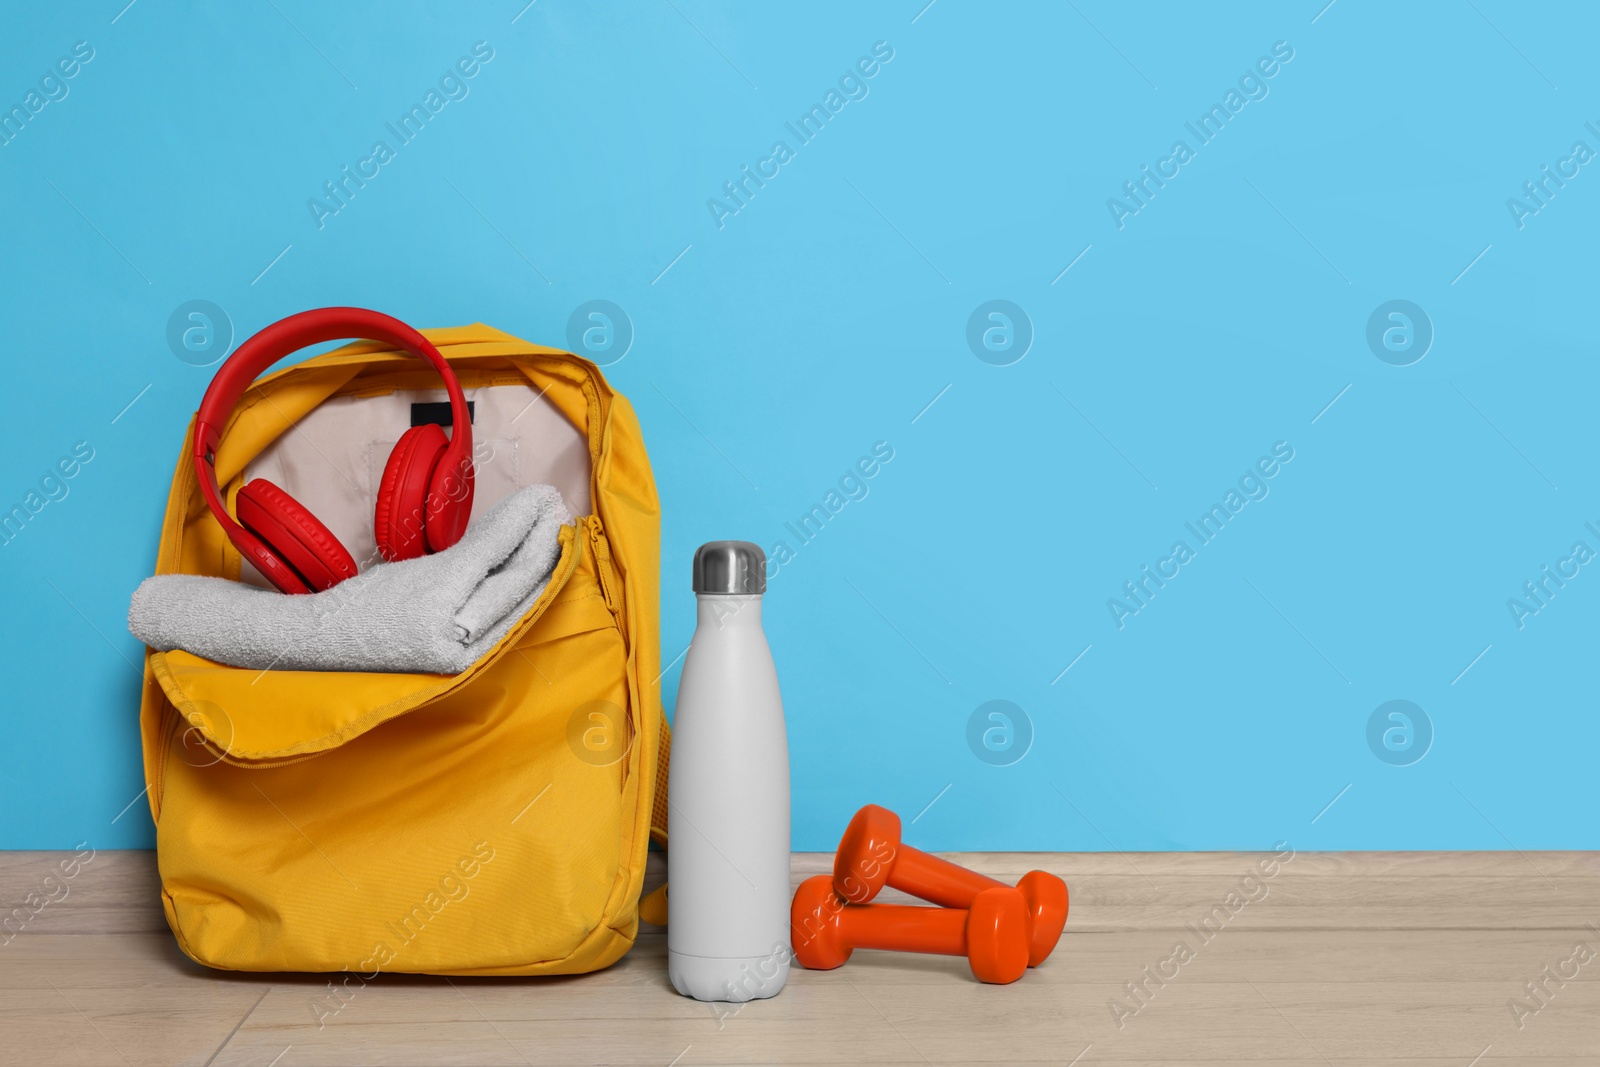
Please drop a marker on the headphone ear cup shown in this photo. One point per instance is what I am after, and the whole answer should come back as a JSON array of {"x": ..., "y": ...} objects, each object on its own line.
[
  {"x": 450, "y": 493},
  {"x": 399, "y": 521},
  {"x": 296, "y": 536}
]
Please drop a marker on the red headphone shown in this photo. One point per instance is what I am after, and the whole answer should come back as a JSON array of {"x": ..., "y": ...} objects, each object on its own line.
[{"x": 424, "y": 499}]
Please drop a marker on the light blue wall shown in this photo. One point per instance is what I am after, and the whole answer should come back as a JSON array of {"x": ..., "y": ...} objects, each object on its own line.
[{"x": 1223, "y": 317}]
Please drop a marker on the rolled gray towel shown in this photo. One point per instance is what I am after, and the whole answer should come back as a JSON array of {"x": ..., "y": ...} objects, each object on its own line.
[{"x": 433, "y": 615}]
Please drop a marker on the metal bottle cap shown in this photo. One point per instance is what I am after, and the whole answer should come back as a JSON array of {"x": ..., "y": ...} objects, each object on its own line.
[{"x": 730, "y": 568}]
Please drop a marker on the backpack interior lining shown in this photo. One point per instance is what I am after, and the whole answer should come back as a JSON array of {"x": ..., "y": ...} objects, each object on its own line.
[{"x": 333, "y": 460}]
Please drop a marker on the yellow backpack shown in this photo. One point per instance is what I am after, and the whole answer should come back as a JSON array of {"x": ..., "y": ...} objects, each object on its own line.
[{"x": 491, "y": 822}]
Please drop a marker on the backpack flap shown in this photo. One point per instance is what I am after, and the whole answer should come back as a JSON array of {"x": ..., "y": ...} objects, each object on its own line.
[{"x": 264, "y": 717}]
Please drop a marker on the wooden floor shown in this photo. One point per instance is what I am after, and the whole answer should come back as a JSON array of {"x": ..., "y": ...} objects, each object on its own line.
[{"x": 1349, "y": 958}]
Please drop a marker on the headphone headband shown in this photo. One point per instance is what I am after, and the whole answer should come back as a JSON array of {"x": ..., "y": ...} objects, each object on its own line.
[
  {"x": 290, "y": 335},
  {"x": 287, "y": 336}
]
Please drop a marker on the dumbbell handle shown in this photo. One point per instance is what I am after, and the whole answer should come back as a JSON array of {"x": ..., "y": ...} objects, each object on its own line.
[
  {"x": 903, "y": 928},
  {"x": 936, "y": 880}
]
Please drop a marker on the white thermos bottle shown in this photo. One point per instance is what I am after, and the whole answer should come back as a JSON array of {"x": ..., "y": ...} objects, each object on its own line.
[{"x": 728, "y": 794}]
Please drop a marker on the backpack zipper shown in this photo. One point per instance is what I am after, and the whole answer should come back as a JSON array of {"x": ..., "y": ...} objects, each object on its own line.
[{"x": 606, "y": 573}]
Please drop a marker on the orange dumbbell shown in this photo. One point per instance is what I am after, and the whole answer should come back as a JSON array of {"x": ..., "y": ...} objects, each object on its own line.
[
  {"x": 992, "y": 933},
  {"x": 871, "y": 856}
]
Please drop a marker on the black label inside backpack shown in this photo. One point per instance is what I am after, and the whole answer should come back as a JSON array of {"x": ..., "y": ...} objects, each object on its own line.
[{"x": 438, "y": 413}]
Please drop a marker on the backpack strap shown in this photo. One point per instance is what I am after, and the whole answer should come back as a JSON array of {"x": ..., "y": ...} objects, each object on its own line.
[
  {"x": 653, "y": 906},
  {"x": 658, "y": 814}
]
